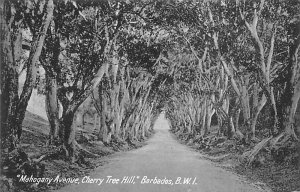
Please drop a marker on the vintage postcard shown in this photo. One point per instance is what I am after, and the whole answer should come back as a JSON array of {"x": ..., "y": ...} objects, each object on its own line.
[{"x": 150, "y": 95}]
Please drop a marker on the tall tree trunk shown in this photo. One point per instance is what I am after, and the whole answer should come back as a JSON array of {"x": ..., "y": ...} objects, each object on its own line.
[
  {"x": 210, "y": 113},
  {"x": 275, "y": 109},
  {"x": 9, "y": 99},
  {"x": 103, "y": 132},
  {"x": 35, "y": 52},
  {"x": 245, "y": 102},
  {"x": 68, "y": 134},
  {"x": 291, "y": 95},
  {"x": 106, "y": 133},
  {"x": 67, "y": 128},
  {"x": 290, "y": 111},
  {"x": 237, "y": 118},
  {"x": 82, "y": 119},
  {"x": 9, "y": 75},
  {"x": 95, "y": 121},
  {"x": 232, "y": 117},
  {"x": 204, "y": 128},
  {"x": 52, "y": 107},
  {"x": 257, "y": 111},
  {"x": 9, "y": 80}
]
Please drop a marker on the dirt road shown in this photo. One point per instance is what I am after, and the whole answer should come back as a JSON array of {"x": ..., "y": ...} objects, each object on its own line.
[{"x": 163, "y": 160}]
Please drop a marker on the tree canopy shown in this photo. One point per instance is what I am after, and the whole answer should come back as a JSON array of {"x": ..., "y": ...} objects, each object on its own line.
[{"x": 227, "y": 63}]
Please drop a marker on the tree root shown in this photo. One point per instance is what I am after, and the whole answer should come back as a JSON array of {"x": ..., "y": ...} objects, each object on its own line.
[
  {"x": 274, "y": 143},
  {"x": 275, "y": 140},
  {"x": 86, "y": 151},
  {"x": 250, "y": 155},
  {"x": 283, "y": 138},
  {"x": 41, "y": 158}
]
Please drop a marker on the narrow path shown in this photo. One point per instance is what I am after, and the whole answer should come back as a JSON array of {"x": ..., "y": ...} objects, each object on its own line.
[{"x": 163, "y": 157}]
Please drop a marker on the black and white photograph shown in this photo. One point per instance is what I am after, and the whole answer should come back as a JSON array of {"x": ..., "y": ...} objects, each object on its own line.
[{"x": 150, "y": 96}]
